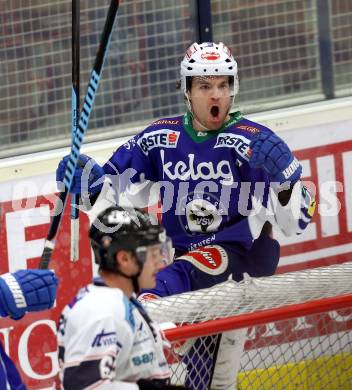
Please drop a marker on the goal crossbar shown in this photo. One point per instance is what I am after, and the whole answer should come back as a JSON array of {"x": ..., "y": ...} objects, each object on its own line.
[
  {"x": 258, "y": 318},
  {"x": 253, "y": 295}
]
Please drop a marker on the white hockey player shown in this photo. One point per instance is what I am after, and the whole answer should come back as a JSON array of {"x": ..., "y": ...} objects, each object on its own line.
[{"x": 106, "y": 340}]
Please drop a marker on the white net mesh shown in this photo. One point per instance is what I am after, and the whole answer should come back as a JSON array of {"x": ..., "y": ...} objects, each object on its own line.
[
  {"x": 310, "y": 348},
  {"x": 253, "y": 294}
]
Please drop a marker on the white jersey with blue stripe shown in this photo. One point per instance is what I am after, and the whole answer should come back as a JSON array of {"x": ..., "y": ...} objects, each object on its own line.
[{"x": 105, "y": 340}]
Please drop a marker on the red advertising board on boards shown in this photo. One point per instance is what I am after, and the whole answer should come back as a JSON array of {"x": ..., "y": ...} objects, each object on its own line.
[{"x": 31, "y": 342}]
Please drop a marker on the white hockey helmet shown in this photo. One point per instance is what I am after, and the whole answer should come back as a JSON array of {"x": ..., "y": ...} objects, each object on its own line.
[{"x": 208, "y": 59}]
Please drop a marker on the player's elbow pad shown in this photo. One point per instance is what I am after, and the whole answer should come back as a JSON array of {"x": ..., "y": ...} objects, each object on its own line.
[{"x": 294, "y": 217}]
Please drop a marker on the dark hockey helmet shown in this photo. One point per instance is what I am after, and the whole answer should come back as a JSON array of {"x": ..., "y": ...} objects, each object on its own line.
[{"x": 131, "y": 229}]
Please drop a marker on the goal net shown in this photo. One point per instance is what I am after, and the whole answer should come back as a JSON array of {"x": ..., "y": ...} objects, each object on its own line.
[{"x": 288, "y": 331}]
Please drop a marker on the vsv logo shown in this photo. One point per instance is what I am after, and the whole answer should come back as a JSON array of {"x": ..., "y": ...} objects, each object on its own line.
[
  {"x": 238, "y": 142},
  {"x": 159, "y": 138},
  {"x": 205, "y": 170}
]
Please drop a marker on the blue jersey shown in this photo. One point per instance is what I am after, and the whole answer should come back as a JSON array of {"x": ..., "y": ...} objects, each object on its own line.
[
  {"x": 206, "y": 183},
  {"x": 9, "y": 376}
]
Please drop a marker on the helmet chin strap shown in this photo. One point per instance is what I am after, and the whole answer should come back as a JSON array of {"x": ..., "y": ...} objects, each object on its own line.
[
  {"x": 133, "y": 278},
  {"x": 135, "y": 283},
  {"x": 189, "y": 106}
]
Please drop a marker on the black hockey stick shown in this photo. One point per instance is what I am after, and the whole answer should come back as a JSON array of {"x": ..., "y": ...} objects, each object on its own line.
[
  {"x": 74, "y": 252},
  {"x": 80, "y": 132}
]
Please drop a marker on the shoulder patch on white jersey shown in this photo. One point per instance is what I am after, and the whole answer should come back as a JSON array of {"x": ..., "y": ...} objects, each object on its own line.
[
  {"x": 165, "y": 138},
  {"x": 211, "y": 259}
]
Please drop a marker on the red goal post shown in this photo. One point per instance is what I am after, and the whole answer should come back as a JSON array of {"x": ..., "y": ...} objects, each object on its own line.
[{"x": 293, "y": 331}]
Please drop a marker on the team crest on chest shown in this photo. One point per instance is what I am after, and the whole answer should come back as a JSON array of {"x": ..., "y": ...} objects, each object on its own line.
[{"x": 201, "y": 213}]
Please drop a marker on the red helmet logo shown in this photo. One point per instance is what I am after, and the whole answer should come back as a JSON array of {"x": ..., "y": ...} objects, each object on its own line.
[{"x": 210, "y": 56}]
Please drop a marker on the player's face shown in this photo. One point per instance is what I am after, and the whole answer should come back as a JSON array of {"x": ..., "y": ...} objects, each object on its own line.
[
  {"x": 153, "y": 264},
  {"x": 211, "y": 99}
]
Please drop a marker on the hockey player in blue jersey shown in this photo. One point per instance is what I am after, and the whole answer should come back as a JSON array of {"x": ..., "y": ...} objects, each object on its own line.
[
  {"x": 20, "y": 292},
  {"x": 223, "y": 180}
]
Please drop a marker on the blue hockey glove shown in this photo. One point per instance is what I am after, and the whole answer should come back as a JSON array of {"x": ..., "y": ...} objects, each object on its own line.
[
  {"x": 26, "y": 290},
  {"x": 272, "y": 154},
  {"x": 88, "y": 177}
]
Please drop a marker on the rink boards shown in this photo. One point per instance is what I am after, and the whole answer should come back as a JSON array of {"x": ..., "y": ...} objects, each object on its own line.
[{"x": 319, "y": 133}]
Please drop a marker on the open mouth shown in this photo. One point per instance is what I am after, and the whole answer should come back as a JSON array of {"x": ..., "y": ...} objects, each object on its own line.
[{"x": 214, "y": 111}]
